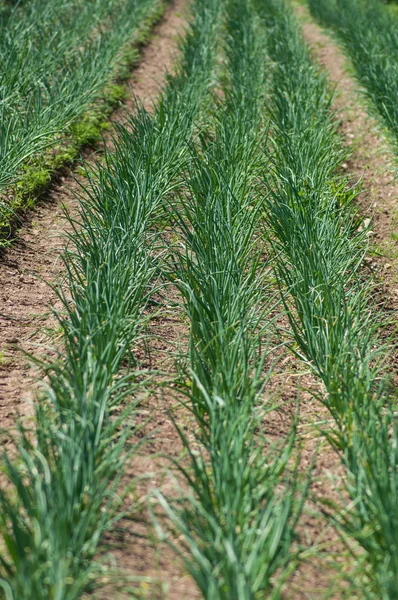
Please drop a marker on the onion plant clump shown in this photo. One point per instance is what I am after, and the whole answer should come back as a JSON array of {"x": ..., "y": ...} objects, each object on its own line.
[
  {"x": 318, "y": 254},
  {"x": 151, "y": 151},
  {"x": 237, "y": 523},
  {"x": 358, "y": 24},
  {"x": 62, "y": 487},
  {"x": 56, "y": 56}
]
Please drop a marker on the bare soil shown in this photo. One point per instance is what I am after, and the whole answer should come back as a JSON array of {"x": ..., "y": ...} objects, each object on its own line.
[
  {"x": 294, "y": 386},
  {"x": 134, "y": 545}
]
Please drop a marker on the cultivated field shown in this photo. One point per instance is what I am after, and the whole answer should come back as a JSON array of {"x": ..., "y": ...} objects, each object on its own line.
[{"x": 198, "y": 296}]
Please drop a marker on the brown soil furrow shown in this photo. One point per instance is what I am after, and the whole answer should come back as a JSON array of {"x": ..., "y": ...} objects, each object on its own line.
[
  {"x": 296, "y": 388},
  {"x": 134, "y": 546},
  {"x": 34, "y": 258},
  {"x": 372, "y": 160}
]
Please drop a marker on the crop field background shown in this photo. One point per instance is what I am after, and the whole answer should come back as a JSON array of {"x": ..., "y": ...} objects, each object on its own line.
[{"x": 198, "y": 299}]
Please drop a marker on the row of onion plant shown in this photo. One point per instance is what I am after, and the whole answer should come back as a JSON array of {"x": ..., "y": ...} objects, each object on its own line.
[
  {"x": 56, "y": 57},
  {"x": 63, "y": 485},
  {"x": 319, "y": 248},
  {"x": 358, "y": 25},
  {"x": 238, "y": 518}
]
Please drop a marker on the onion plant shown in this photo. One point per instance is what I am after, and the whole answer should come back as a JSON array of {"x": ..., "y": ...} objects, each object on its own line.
[
  {"x": 63, "y": 486},
  {"x": 237, "y": 522},
  {"x": 319, "y": 248}
]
